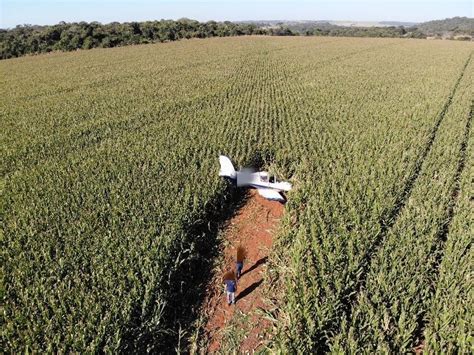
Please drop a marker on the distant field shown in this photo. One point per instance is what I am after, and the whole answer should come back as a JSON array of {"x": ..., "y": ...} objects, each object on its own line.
[
  {"x": 111, "y": 200},
  {"x": 369, "y": 23}
]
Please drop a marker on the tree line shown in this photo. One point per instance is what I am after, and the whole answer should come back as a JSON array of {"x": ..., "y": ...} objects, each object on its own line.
[
  {"x": 27, "y": 39},
  {"x": 31, "y": 39},
  {"x": 345, "y": 31}
]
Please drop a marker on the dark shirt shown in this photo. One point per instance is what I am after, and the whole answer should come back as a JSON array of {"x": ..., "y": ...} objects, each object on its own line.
[{"x": 230, "y": 285}]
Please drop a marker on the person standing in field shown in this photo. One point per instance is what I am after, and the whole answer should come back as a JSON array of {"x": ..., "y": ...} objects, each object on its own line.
[
  {"x": 241, "y": 255},
  {"x": 230, "y": 286}
]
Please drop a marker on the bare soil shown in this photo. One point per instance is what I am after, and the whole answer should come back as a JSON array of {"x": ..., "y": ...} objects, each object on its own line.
[
  {"x": 420, "y": 348},
  {"x": 252, "y": 227}
]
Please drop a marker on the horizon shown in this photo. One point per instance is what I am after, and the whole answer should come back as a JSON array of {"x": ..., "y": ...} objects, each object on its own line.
[
  {"x": 235, "y": 21},
  {"x": 51, "y": 12}
]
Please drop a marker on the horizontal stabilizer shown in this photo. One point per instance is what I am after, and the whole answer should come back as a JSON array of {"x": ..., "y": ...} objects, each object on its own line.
[{"x": 271, "y": 194}]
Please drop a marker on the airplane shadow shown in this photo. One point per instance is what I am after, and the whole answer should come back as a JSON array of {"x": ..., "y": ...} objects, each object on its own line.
[
  {"x": 248, "y": 290},
  {"x": 256, "y": 265}
]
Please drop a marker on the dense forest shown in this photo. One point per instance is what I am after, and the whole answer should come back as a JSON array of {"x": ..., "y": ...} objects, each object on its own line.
[
  {"x": 327, "y": 29},
  {"x": 27, "y": 39},
  {"x": 31, "y": 39}
]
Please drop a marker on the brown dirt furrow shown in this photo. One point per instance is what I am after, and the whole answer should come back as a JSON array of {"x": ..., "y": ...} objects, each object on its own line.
[{"x": 253, "y": 227}]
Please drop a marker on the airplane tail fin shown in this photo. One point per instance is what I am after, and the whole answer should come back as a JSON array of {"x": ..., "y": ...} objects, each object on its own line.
[{"x": 227, "y": 169}]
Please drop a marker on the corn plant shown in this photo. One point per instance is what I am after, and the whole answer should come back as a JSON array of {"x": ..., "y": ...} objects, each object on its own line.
[{"x": 111, "y": 203}]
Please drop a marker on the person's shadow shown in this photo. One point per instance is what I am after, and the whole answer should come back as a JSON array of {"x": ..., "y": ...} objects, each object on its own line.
[
  {"x": 248, "y": 290},
  {"x": 256, "y": 265}
]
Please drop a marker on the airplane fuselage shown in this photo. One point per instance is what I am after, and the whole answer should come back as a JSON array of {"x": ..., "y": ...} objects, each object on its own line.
[
  {"x": 259, "y": 180},
  {"x": 266, "y": 187}
]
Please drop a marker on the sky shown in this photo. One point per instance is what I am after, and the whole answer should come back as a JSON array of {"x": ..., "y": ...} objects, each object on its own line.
[{"x": 44, "y": 12}]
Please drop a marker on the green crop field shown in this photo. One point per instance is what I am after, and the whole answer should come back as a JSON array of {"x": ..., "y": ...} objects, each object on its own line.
[{"x": 111, "y": 204}]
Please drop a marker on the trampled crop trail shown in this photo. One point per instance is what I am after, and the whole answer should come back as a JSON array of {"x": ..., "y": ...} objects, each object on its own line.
[
  {"x": 389, "y": 221},
  {"x": 252, "y": 228}
]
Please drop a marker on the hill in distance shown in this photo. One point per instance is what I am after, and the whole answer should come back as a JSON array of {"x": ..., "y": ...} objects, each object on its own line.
[{"x": 455, "y": 25}]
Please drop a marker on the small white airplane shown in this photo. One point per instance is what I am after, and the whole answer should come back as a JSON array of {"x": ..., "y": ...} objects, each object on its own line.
[{"x": 266, "y": 187}]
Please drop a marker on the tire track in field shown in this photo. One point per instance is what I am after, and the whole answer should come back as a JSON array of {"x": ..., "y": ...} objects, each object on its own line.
[
  {"x": 444, "y": 230},
  {"x": 443, "y": 233},
  {"x": 388, "y": 222}
]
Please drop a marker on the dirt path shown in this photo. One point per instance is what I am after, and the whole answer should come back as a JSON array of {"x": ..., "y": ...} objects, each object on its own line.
[{"x": 253, "y": 228}]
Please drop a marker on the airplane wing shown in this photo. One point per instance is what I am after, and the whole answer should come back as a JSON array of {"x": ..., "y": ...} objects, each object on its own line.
[{"x": 271, "y": 194}]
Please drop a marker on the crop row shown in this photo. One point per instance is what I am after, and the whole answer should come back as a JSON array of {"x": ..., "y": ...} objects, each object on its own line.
[
  {"x": 107, "y": 189},
  {"x": 111, "y": 198},
  {"x": 449, "y": 325},
  {"x": 390, "y": 309},
  {"x": 350, "y": 191}
]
